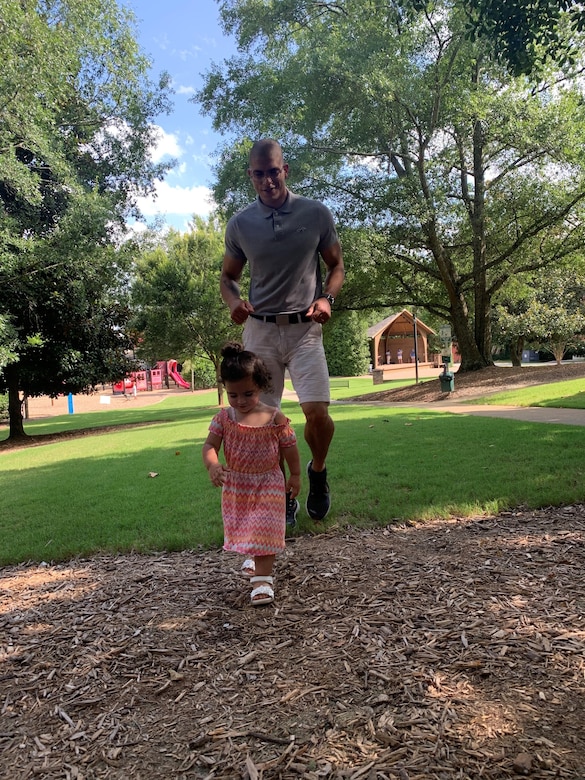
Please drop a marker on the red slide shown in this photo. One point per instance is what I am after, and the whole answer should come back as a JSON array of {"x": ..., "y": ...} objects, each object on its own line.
[{"x": 174, "y": 374}]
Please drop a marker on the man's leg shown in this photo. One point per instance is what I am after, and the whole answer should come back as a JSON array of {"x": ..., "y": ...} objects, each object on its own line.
[
  {"x": 319, "y": 429},
  {"x": 308, "y": 370},
  {"x": 262, "y": 338}
]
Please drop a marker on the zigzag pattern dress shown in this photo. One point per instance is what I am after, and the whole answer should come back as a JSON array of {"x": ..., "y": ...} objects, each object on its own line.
[{"x": 253, "y": 495}]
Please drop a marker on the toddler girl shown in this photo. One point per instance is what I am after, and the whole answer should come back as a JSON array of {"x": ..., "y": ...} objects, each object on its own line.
[{"x": 254, "y": 437}]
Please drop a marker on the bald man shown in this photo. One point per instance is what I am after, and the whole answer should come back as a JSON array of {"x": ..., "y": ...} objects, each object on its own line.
[{"x": 283, "y": 238}]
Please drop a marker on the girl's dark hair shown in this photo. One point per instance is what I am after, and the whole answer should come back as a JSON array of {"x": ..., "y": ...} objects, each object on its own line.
[{"x": 238, "y": 363}]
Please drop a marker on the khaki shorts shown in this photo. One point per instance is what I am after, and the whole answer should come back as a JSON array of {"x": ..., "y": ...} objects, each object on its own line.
[{"x": 298, "y": 348}]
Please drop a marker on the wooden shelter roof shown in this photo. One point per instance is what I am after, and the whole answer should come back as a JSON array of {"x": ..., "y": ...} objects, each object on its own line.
[{"x": 383, "y": 325}]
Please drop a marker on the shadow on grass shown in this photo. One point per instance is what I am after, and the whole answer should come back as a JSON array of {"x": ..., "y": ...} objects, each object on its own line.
[
  {"x": 145, "y": 488},
  {"x": 169, "y": 410},
  {"x": 574, "y": 401}
]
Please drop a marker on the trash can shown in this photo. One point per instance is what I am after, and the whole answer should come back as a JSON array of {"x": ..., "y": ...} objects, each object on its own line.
[{"x": 447, "y": 379}]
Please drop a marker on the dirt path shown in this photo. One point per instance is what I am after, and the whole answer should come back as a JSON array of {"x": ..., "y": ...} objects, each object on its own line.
[
  {"x": 449, "y": 650},
  {"x": 44, "y": 406},
  {"x": 473, "y": 384}
]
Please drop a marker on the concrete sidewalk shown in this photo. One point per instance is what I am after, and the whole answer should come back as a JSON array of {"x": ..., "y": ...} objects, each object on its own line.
[{"x": 525, "y": 413}]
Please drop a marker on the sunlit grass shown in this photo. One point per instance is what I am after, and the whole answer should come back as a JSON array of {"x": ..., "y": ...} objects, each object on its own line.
[
  {"x": 569, "y": 394},
  {"x": 93, "y": 493}
]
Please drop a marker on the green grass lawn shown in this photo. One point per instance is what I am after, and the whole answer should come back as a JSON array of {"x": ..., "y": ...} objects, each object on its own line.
[
  {"x": 94, "y": 493},
  {"x": 569, "y": 394}
]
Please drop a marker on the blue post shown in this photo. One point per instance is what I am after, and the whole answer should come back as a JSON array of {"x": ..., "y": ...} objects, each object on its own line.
[{"x": 70, "y": 403}]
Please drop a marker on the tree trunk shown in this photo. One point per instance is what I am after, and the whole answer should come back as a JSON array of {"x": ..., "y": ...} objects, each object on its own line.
[
  {"x": 219, "y": 384},
  {"x": 558, "y": 350},
  {"x": 474, "y": 355},
  {"x": 482, "y": 302},
  {"x": 16, "y": 422},
  {"x": 471, "y": 357},
  {"x": 516, "y": 348}
]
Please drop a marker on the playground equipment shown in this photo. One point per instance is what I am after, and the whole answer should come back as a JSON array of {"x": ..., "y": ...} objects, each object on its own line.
[
  {"x": 124, "y": 386},
  {"x": 150, "y": 379},
  {"x": 174, "y": 374}
]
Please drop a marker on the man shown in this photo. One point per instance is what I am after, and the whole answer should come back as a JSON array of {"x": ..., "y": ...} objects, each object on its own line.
[{"x": 282, "y": 236}]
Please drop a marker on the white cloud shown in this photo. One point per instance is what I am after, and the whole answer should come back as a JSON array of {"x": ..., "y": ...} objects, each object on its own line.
[
  {"x": 181, "y": 90},
  {"x": 177, "y": 201},
  {"x": 135, "y": 228},
  {"x": 187, "y": 54},
  {"x": 167, "y": 144},
  {"x": 162, "y": 42}
]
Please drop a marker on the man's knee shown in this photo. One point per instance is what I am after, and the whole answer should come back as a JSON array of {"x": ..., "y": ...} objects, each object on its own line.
[{"x": 316, "y": 413}]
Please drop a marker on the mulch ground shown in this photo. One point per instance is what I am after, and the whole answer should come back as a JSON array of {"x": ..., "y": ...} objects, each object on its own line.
[
  {"x": 437, "y": 651},
  {"x": 420, "y": 652},
  {"x": 472, "y": 384}
]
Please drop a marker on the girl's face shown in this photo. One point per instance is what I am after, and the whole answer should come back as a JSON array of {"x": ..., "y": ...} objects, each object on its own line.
[{"x": 243, "y": 395}]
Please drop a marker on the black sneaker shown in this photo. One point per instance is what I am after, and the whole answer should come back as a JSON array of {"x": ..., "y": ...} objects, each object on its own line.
[
  {"x": 292, "y": 507},
  {"x": 318, "y": 500}
]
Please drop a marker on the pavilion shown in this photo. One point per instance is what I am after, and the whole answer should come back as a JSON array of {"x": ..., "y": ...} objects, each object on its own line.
[{"x": 392, "y": 344}]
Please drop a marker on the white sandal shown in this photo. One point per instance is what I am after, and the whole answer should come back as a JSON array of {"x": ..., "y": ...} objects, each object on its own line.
[
  {"x": 248, "y": 568},
  {"x": 266, "y": 591}
]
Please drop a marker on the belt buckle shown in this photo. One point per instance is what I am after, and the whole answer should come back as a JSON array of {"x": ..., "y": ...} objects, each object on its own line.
[{"x": 282, "y": 319}]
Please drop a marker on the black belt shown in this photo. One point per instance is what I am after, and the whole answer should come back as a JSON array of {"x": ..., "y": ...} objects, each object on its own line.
[{"x": 283, "y": 319}]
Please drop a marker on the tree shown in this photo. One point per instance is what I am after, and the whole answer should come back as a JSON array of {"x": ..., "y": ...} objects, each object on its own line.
[
  {"x": 558, "y": 329},
  {"x": 549, "y": 316},
  {"x": 176, "y": 297},
  {"x": 346, "y": 344},
  {"x": 8, "y": 342},
  {"x": 510, "y": 324},
  {"x": 77, "y": 110},
  {"x": 69, "y": 309},
  {"x": 524, "y": 32},
  {"x": 410, "y": 130}
]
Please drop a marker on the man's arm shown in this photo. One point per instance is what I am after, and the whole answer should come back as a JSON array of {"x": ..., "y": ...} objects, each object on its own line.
[
  {"x": 333, "y": 259},
  {"x": 320, "y": 310},
  {"x": 229, "y": 288}
]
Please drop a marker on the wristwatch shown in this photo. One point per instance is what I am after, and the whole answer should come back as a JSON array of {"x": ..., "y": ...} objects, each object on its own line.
[{"x": 329, "y": 297}]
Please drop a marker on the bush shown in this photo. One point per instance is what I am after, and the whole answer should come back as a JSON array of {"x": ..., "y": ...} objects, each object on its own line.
[
  {"x": 346, "y": 344},
  {"x": 3, "y": 407},
  {"x": 204, "y": 373}
]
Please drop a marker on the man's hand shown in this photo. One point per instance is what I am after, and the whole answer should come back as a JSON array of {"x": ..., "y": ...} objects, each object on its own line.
[
  {"x": 240, "y": 311},
  {"x": 319, "y": 311}
]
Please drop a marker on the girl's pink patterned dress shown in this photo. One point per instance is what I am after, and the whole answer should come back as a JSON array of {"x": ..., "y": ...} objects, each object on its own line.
[{"x": 253, "y": 495}]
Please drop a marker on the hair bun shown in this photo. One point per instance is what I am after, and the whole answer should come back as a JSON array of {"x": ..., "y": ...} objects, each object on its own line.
[{"x": 232, "y": 350}]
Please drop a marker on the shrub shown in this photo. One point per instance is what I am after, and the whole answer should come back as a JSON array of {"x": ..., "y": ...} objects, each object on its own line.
[
  {"x": 204, "y": 373},
  {"x": 346, "y": 344}
]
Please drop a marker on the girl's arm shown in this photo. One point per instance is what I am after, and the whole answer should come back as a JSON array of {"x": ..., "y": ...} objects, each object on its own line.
[
  {"x": 216, "y": 470},
  {"x": 293, "y": 461},
  {"x": 292, "y": 458}
]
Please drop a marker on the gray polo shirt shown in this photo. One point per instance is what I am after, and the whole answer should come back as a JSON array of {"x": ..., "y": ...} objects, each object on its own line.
[{"x": 282, "y": 248}]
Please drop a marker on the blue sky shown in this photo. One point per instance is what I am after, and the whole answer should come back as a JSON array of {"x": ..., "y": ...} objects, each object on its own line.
[{"x": 182, "y": 37}]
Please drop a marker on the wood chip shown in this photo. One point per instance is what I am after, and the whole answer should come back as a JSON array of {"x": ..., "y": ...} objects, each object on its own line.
[{"x": 418, "y": 652}]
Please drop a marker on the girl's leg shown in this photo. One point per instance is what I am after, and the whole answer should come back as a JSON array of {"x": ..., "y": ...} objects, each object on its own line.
[
  {"x": 264, "y": 564},
  {"x": 263, "y": 568}
]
